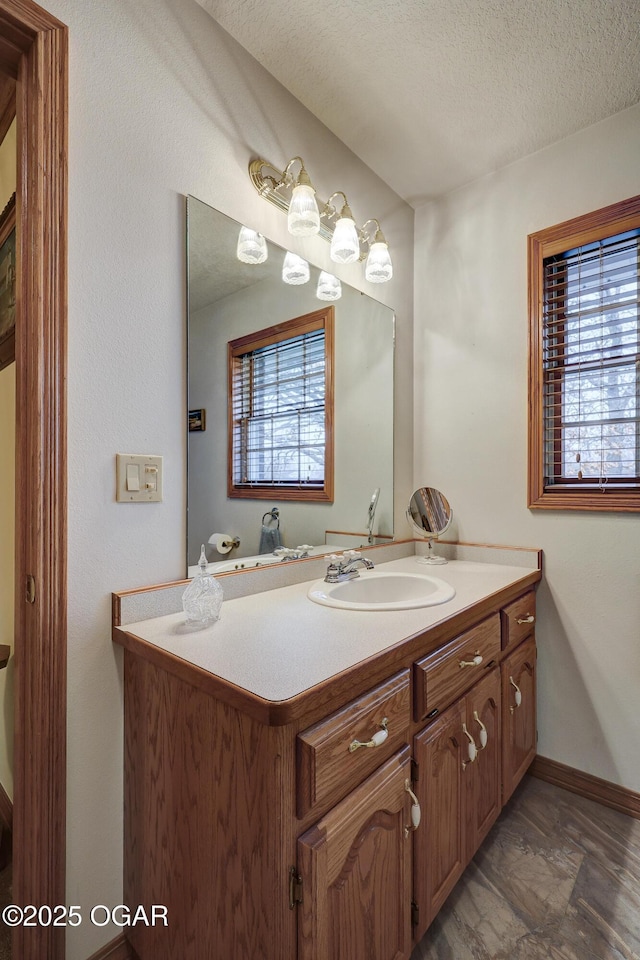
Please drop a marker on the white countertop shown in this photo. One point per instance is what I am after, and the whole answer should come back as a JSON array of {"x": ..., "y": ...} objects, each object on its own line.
[{"x": 279, "y": 643}]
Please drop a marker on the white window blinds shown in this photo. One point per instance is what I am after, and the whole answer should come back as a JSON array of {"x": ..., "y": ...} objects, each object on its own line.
[
  {"x": 278, "y": 414},
  {"x": 590, "y": 360}
]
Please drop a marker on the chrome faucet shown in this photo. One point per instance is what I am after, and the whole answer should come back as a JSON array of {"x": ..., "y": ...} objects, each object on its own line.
[
  {"x": 287, "y": 553},
  {"x": 344, "y": 567}
]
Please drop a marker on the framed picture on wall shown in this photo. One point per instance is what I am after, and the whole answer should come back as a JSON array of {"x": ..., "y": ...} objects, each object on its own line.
[
  {"x": 8, "y": 283},
  {"x": 197, "y": 421}
]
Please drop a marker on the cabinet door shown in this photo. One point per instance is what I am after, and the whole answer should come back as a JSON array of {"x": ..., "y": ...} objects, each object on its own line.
[
  {"x": 518, "y": 715},
  {"x": 483, "y": 776},
  {"x": 439, "y": 843},
  {"x": 355, "y": 866}
]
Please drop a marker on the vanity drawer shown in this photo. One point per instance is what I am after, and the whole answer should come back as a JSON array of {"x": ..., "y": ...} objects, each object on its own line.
[
  {"x": 447, "y": 673},
  {"x": 328, "y": 763},
  {"x": 518, "y": 619}
]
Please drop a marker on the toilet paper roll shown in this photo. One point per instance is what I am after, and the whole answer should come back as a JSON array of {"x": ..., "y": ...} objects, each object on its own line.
[{"x": 221, "y": 541}]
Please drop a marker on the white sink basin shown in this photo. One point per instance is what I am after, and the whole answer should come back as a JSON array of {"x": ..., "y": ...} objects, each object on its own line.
[{"x": 382, "y": 591}]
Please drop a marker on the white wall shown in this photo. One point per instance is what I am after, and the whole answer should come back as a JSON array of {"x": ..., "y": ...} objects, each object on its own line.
[
  {"x": 471, "y": 434},
  {"x": 7, "y": 501},
  {"x": 363, "y": 424},
  {"x": 162, "y": 103}
]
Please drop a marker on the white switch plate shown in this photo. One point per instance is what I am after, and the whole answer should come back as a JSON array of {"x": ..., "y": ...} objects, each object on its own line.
[{"x": 144, "y": 470}]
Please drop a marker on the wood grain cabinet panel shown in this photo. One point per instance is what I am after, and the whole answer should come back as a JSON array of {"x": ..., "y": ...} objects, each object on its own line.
[
  {"x": 519, "y": 735},
  {"x": 355, "y": 866},
  {"x": 448, "y": 672},
  {"x": 327, "y": 768},
  {"x": 518, "y": 620},
  {"x": 460, "y": 796},
  {"x": 483, "y": 800}
]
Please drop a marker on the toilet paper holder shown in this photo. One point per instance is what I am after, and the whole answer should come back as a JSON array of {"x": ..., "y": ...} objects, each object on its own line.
[{"x": 224, "y": 542}]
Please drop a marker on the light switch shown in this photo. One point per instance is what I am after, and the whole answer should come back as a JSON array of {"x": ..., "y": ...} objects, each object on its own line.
[
  {"x": 138, "y": 478},
  {"x": 133, "y": 477}
]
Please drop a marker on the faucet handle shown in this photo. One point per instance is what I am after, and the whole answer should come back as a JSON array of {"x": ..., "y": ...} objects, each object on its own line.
[{"x": 351, "y": 555}]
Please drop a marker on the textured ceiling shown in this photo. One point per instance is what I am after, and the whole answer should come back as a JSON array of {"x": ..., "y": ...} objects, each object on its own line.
[{"x": 433, "y": 93}]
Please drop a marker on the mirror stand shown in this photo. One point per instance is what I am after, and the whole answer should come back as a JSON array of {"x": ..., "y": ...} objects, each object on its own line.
[
  {"x": 429, "y": 514},
  {"x": 432, "y": 557}
]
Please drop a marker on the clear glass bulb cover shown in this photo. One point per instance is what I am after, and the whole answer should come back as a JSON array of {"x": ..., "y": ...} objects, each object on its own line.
[
  {"x": 378, "y": 268},
  {"x": 295, "y": 270},
  {"x": 329, "y": 287},
  {"x": 304, "y": 217},
  {"x": 252, "y": 246},
  {"x": 345, "y": 246}
]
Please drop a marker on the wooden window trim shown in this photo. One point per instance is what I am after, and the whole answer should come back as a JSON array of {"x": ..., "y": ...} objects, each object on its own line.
[
  {"x": 319, "y": 319},
  {"x": 616, "y": 218}
]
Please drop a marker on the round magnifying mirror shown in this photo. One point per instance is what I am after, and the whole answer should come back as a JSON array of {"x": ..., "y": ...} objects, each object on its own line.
[{"x": 429, "y": 515}]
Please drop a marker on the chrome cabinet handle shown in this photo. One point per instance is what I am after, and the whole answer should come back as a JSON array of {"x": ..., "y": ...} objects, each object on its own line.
[
  {"x": 472, "y": 749},
  {"x": 376, "y": 740},
  {"x": 483, "y": 735},
  {"x": 477, "y": 660},
  {"x": 416, "y": 813},
  {"x": 528, "y": 618},
  {"x": 518, "y": 695}
]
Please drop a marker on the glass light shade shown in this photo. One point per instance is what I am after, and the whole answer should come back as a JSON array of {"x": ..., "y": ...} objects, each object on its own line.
[
  {"x": 295, "y": 270},
  {"x": 378, "y": 268},
  {"x": 252, "y": 246},
  {"x": 329, "y": 287},
  {"x": 345, "y": 246},
  {"x": 304, "y": 217}
]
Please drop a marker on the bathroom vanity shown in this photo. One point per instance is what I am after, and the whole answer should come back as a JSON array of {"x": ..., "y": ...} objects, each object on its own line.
[{"x": 255, "y": 809}]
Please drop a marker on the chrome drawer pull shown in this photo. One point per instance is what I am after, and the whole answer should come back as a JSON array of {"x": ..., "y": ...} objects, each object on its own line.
[
  {"x": 477, "y": 660},
  {"x": 528, "y": 618},
  {"x": 415, "y": 809},
  {"x": 376, "y": 740},
  {"x": 518, "y": 696}
]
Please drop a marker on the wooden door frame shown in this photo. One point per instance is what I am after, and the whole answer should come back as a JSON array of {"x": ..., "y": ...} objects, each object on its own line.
[{"x": 33, "y": 48}]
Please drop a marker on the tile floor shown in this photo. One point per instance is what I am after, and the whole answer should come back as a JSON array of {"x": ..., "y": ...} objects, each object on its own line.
[{"x": 558, "y": 878}]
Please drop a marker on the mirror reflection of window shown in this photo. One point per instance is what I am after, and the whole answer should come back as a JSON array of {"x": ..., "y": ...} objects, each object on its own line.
[{"x": 281, "y": 402}]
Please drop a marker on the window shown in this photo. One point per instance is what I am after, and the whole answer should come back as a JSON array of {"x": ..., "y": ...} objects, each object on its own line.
[
  {"x": 584, "y": 436},
  {"x": 281, "y": 411}
]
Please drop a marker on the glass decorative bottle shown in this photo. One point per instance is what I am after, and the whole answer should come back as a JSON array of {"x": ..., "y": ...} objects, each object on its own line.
[{"x": 202, "y": 599}]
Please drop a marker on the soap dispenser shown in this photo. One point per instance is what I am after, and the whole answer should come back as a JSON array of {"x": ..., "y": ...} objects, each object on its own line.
[{"x": 202, "y": 599}]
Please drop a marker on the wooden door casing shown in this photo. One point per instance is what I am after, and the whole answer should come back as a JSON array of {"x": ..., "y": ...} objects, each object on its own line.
[{"x": 34, "y": 50}]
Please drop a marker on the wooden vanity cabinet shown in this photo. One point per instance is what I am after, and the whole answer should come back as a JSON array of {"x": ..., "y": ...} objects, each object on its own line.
[
  {"x": 459, "y": 796},
  {"x": 266, "y": 836},
  {"x": 356, "y": 869},
  {"x": 439, "y": 842},
  {"x": 519, "y": 735}
]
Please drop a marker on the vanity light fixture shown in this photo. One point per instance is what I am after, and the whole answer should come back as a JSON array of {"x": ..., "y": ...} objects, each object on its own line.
[
  {"x": 303, "y": 219},
  {"x": 252, "y": 246},
  {"x": 378, "y": 268},
  {"x": 329, "y": 287},
  {"x": 295, "y": 195},
  {"x": 345, "y": 243},
  {"x": 295, "y": 270}
]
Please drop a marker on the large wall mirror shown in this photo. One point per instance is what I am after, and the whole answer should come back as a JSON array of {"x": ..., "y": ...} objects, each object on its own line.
[{"x": 231, "y": 303}]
